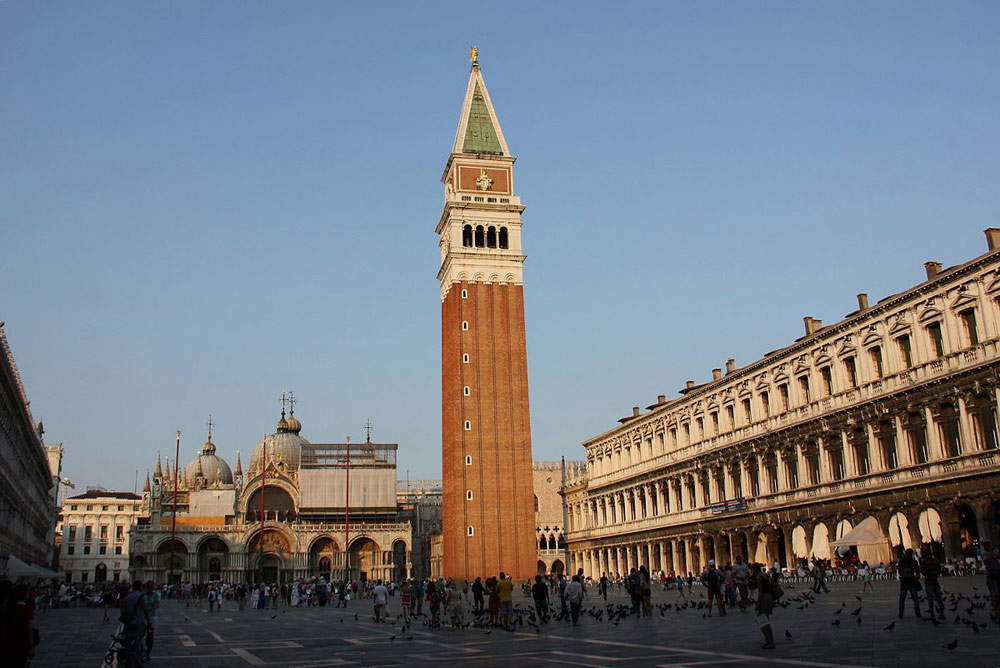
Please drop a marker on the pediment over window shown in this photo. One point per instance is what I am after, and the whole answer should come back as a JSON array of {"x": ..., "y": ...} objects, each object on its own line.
[
  {"x": 929, "y": 313},
  {"x": 898, "y": 323},
  {"x": 963, "y": 299},
  {"x": 993, "y": 283},
  {"x": 872, "y": 339}
]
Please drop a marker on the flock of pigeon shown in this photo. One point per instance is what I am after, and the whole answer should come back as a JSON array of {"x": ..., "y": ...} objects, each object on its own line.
[{"x": 964, "y": 608}]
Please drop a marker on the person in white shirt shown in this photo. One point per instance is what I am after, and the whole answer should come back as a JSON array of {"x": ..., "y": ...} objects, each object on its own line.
[
  {"x": 380, "y": 595},
  {"x": 573, "y": 595}
]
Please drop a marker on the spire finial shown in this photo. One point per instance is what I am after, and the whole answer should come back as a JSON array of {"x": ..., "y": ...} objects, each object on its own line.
[
  {"x": 284, "y": 401},
  {"x": 291, "y": 403},
  {"x": 210, "y": 424},
  {"x": 369, "y": 428},
  {"x": 474, "y": 55}
]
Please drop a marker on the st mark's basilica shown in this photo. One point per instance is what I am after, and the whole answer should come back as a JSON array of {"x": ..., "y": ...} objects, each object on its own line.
[{"x": 299, "y": 510}]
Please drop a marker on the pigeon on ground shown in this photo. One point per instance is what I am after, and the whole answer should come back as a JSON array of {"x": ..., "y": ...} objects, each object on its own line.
[
  {"x": 890, "y": 627},
  {"x": 952, "y": 645},
  {"x": 836, "y": 622},
  {"x": 787, "y": 634}
]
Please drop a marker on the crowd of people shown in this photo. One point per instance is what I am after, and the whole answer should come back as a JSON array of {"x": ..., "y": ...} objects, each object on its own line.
[{"x": 485, "y": 603}]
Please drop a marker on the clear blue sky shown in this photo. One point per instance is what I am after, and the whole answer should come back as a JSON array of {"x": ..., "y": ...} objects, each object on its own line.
[{"x": 204, "y": 204}]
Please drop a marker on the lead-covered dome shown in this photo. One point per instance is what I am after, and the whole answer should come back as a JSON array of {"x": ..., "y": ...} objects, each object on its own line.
[
  {"x": 284, "y": 445},
  {"x": 209, "y": 466}
]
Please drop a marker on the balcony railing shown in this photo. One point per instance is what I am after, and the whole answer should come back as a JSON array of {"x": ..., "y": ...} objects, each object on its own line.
[{"x": 886, "y": 385}]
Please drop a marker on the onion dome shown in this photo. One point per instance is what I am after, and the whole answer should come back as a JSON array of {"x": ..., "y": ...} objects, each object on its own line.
[
  {"x": 292, "y": 424},
  {"x": 209, "y": 466}
]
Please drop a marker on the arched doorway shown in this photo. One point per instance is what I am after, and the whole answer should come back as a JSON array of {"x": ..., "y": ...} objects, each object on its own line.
[
  {"x": 321, "y": 557},
  {"x": 362, "y": 559},
  {"x": 211, "y": 557},
  {"x": 968, "y": 530},
  {"x": 782, "y": 551},
  {"x": 558, "y": 567},
  {"x": 821, "y": 542},
  {"x": 171, "y": 556},
  {"x": 541, "y": 568},
  {"x": 101, "y": 573},
  {"x": 398, "y": 561},
  {"x": 269, "y": 552},
  {"x": 931, "y": 534},
  {"x": 899, "y": 533}
]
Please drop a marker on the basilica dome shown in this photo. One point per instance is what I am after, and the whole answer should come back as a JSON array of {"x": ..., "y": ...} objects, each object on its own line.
[
  {"x": 209, "y": 466},
  {"x": 284, "y": 445}
]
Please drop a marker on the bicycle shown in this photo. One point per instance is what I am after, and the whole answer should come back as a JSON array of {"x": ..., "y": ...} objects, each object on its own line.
[{"x": 116, "y": 647}]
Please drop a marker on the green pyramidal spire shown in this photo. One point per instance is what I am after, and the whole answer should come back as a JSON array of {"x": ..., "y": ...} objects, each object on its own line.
[{"x": 480, "y": 135}]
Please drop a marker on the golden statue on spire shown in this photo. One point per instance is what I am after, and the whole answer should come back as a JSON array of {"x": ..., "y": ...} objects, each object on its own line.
[{"x": 474, "y": 55}]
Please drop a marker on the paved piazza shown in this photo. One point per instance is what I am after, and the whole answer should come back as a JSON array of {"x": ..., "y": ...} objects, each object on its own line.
[{"x": 332, "y": 637}]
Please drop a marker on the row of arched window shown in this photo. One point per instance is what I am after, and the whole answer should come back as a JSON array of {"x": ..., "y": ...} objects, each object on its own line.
[{"x": 484, "y": 237}]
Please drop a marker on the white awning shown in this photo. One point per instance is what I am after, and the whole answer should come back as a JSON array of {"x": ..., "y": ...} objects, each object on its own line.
[
  {"x": 866, "y": 533},
  {"x": 18, "y": 569}
]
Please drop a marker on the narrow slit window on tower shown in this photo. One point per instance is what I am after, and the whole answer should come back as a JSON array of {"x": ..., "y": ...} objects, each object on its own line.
[
  {"x": 465, "y": 325},
  {"x": 468, "y": 495},
  {"x": 465, "y": 358},
  {"x": 466, "y": 390},
  {"x": 465, "y": 293},
  {"x": 468, "y": 460},
  {"x": 480, "y": 237},
  {"x": 467, "y": 236},
  {"x": 470, "y": 531},
  {"x": 468, "y": 425},
  {"x": 504, "y": 243},
  {"x": 491, "y": 237}
]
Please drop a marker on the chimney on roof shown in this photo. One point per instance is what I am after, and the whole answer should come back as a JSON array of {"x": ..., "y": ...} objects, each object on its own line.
[
  {"x": 661, "y": 398},
  {"x": 862, "y": 301},
  {"x": 635, "y": 411},
  {"x": 730, "y": 365},
  {"x": 689, "y": 384},
  {"x": 992, "y": 238},
  {"x": 716, "y": 374},
  {"x": 813, "y": 325},
  {"x": 932, "y": 269}
]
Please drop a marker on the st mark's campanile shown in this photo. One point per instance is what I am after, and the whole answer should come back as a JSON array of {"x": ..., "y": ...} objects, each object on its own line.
[{"x": 489, "y": 513}]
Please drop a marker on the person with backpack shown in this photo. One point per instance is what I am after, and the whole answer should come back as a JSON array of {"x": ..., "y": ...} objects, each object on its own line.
[
  {"x": 909, "y": 582},
  {"x": 135, "y": 620}
]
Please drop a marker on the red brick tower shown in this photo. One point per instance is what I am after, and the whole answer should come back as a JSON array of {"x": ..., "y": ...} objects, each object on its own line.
[{"x": 489, "y": 510}]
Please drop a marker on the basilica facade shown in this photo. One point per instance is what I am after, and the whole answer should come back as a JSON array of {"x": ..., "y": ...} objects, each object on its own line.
[
  {"x": 859, "y": 439},
  {"x": 300, "y": 510}
]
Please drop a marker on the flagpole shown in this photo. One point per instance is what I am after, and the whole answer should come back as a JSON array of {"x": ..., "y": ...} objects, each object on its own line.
[
  {"x": 347, "y": 515},
  {"x": 173, "y": 523}
]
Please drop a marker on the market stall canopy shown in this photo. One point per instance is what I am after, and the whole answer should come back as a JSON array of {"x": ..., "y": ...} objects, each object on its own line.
[{"x": 866, "y": 533}]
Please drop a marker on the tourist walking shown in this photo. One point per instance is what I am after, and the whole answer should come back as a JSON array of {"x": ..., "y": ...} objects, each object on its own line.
[
  {"x": 909, "y": 581},
  {"x": 134, "y": 621},
  {"x": 930, "y": 568},
  {"x": 574, "y": 597},
  {"x": 741, "y": 578},
  {"x": 712, "y": 579},
  {"x": 540, "y": 595},
  {"x": 768, "y": 592},
  {"x": 380, "y": 597},
  {"x": 604, "y": 586},
  {"x": 152, "y": 602},
  {"x": 645, "y": 591}
]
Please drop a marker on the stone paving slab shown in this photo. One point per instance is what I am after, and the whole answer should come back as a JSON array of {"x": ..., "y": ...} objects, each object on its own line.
[{"x": 190, "y": 637}]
